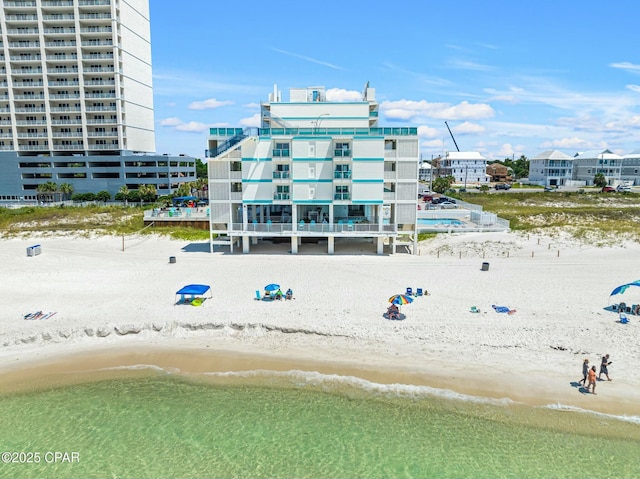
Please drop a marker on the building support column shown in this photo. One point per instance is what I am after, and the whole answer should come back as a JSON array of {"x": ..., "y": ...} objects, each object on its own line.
[
  {"x": 393, "y": 245},
  {"x": 380, "y": 244},
  {"x": 294, "y": 245},
  {"x": 245, "y": 244},
  {"x": 331, "y": 217},
  {"x": 330, "y": 244}
]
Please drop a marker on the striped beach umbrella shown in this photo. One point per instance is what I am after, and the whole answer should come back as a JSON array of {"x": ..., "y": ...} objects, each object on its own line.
[{"x": 400, "y": 299}]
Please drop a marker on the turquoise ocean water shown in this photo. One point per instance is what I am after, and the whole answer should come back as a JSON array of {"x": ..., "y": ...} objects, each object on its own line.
[{"x": 152, "y": 424}]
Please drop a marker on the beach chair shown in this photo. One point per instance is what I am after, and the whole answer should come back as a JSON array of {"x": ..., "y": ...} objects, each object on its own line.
[
  {"x": 409, "y": 292},
  {"x": 474, "y": 309},
  {"x": 623, "y": 318},
  {"x": 312, "y": 225},
  {"x": 419, "y": 292},
  {"x": 350, "y": 225}
]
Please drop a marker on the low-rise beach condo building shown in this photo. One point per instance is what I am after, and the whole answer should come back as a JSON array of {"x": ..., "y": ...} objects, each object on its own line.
[{"x": 317, "y": 170}]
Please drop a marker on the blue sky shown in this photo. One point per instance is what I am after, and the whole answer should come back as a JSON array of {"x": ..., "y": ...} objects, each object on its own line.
[{"x": 509, "y": 77}]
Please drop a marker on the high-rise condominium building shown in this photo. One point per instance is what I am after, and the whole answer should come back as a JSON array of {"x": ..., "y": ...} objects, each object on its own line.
[
  {"x": 317, "y": 170},
  {"x": 76, "y": 98}
]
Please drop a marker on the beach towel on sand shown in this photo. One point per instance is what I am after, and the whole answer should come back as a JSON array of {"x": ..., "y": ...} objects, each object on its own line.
[{"x": 503, "y": 309}]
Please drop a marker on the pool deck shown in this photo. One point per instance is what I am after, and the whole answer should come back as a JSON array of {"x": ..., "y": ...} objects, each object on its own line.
[{"x": 462, "y": 213}]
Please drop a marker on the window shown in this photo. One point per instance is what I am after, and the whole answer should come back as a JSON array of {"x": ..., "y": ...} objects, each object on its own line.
[
  {"x": 389, "y": 145},
  {"x": 281, "y": 150},
  {"x": 341, "y": 193},
  {"x": 342, "y": 149}
]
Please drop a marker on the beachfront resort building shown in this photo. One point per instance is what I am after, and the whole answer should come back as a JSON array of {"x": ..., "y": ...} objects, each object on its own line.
[
  {"x": 551, "y": 168},
  {"x": 76, "y": 99},
  {"x": 317, "y": 170}
]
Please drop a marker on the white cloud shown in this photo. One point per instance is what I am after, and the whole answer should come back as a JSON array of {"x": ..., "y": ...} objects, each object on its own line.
[
  {"x": 627, "y": 66},
  {"x": 635, "y": 88},
  {"x": 251, "y": 105},
  {"x": 171, "y": 122},
  {"x": 409, "y": 109},
  {"x": 209, "y": 104},
  {"x": 467, "y": 127},
  {"x": 428, "y": 132},
  {"x": 574, "y": 143},
  {"x": 467, "y": 65},
  {"x": 252, "y": 121},
  {"x": 339, "y": 94},
  {"x": 436, "y": 144},
  {"x": 308, "y": 59},
  {"x": 193, "y": 127}
]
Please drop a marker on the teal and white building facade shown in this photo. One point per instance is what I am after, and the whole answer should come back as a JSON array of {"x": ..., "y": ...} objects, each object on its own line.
[{"x": 315, "y": 171}]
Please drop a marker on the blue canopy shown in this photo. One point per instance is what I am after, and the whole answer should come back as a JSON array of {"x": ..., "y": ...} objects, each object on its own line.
[
  {"x": 622, "y": 288},
  {"x": 195, "y": 289}
]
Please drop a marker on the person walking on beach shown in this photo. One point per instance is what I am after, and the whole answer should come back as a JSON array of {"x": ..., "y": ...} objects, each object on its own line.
[
  {"x": 604, "y": 367},
  {"x": 592, "y": 380},
  {"x": 585, "y": 372}
]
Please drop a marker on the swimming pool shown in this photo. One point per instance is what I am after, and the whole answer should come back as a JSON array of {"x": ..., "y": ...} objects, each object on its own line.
[{"x": 438, "y": 221}]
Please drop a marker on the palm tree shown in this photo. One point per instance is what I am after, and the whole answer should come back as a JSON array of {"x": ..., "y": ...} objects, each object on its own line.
[
  {"x": 201, "y": 186},
  {"x": 147, "y": 192},
  {"x": 47, "y": 191},
  {"x": 67, "y": 190},
  {"x": 123, "y": 192}
]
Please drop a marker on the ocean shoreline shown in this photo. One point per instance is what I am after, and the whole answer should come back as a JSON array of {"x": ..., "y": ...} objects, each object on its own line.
[{"x": 118, "y": 302}]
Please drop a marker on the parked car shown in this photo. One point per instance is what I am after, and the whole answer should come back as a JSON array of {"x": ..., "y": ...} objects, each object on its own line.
[
  {"x": 549, "y": 188},
  {"x": 608, "y": 189},
  {"x": 503, "y": 186},
  {"x": 623, "y": 188},
  {"x": 447, "y": 205}
]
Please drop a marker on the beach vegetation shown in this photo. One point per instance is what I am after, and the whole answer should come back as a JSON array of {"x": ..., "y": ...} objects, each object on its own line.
[
  {"x": 576, "y": 212},
  {"x": 599, "y": 180}
]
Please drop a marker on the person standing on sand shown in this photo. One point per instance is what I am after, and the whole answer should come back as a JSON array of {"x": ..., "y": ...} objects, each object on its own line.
[
  {"x": 585, "y": 372},
  {"x": 604, "y": 367},
  {"x": 592, "y": 380}
]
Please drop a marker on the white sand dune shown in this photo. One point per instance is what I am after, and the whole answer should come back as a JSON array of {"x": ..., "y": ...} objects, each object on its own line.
[{"x": 123, "y": 301}]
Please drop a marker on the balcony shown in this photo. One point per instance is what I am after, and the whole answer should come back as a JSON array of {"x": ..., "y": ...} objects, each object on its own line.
[
  {"x": 57, "y": 3},
  {"x": 281, "y": 196},
  {"x": 342, "y": 153},
  {"x": 102, "y": 133},
  {"x": 281, "y": 153},
  {"x": 19, "y": 4},
  {"x": 24, "y": 44},
  {"x": 346, "y": 175},
  {"x": 101, "y": 108},
  {"x": 94, "y": 3},
  {"x": 22, "y": 31},
  {"x": 27, "y": 71},
  {"x": 281, "y": 175},
  {"x": 342, "y": 196}
]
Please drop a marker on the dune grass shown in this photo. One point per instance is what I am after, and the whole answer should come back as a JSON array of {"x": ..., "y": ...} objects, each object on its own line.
[
  {"x": 585, "y": 216},
  {"x": 582, "y": 214}
]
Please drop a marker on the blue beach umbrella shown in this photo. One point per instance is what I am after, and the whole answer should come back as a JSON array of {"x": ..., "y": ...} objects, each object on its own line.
[{"x": 272, "y": 287}]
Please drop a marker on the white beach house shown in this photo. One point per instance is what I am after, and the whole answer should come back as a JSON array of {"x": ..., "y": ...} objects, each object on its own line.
[
  {"x": 551, "y": 168},
  {"x": 466, "y": 167},
  {"x": 589, "y": 163},
  {"x": 316, "y": 171}
]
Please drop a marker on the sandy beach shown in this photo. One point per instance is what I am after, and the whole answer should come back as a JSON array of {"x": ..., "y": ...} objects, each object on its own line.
[{"x": 117, "y": 308}]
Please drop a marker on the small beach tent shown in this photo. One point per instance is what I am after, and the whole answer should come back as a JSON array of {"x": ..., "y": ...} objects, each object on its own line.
[
  {"x": 192, "y": 291},
  {"x": 623, "y": 287},
  {"x": 183, "y": 200}
]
